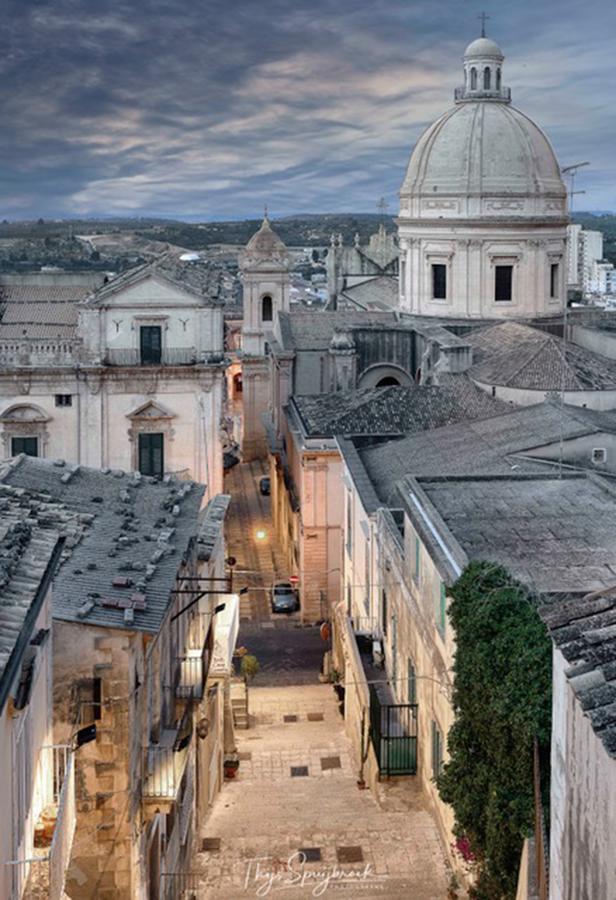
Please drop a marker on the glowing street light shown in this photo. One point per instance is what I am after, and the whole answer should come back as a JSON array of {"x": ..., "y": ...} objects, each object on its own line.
[{"x": 260, "y": 534}]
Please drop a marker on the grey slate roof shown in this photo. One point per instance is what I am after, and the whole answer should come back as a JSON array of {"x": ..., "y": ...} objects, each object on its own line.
[
  {"x": 584, "y": 630},
  {"x": 203, "y": 278},
  {"x": 301, "y": 330},
  {"x": 36, "y": 311},
  {"x": 556, "y": 535},
  {"x": 380, "y": 293},
  {"x": 29, "y": 532},
  {"x": 518, "y": 356},
  {"x": 490, "y": 445},
  {"x": 395, "y": 410},
  {"x": 140, "y": 529}
]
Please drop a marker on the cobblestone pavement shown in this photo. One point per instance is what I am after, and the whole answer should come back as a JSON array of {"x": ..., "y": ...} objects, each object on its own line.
[{"x": 296, "y": 790}]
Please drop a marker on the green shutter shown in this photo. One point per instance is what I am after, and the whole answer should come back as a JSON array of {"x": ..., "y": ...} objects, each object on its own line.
[
  {"x": 441, "y": 611},
  {"x": 417, "y": 559}
]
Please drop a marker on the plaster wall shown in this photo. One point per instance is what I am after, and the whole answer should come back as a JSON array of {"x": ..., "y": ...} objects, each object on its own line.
[
  {"x": 583, "y": 800},
  {"x": 600, "y": 400},
  {"x": 37, "y": 717},
  {"x": 602, "y": 342}
]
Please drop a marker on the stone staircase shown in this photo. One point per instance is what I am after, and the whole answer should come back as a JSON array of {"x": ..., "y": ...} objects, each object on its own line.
[{"x": 239, "y": 704}]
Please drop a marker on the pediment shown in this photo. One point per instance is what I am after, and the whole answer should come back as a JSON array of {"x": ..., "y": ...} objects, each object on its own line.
[
  {"x": 152, "y": 289},
  {"x": 151, "y": 410},
  {"x": 23, "y": 413}
]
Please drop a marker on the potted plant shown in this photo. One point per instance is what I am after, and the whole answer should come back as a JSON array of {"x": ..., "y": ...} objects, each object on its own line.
[{"x": 230, "y": 765}]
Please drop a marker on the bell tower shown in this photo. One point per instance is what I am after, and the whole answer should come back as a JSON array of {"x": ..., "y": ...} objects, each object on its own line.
[{"x": 266, "y": 281}]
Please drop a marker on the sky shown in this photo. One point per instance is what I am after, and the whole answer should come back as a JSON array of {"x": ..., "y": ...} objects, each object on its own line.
[{"x": 209, "y": 109}]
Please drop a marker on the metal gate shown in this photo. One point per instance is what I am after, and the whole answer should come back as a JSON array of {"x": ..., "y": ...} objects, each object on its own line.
[{"x": 394, "y": 735}]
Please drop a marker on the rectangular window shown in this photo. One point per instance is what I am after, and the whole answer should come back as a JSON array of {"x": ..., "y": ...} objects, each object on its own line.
[
  {"x": 437, "y": 750},
  {"x": 27, "y": 445},
  {"x": 411, "y": 691},
  {"x": 417, "y": 561},
  {"x": 64, "y": 399},
  {"x": 151, "y": 455},
  {"x": 90, "y": 701},
  {"x": 554, "y": 280},
  {"x": 349, "y": 523},
  {"x": 441, "y": 611},
  {"x": 503, "y": 281},
  {"x": 150, "y": 345},
  {"x": 439, "y": 281}
]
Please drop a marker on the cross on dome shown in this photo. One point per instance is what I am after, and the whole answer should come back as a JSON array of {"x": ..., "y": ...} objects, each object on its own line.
[{"x": 484, "y": 17}]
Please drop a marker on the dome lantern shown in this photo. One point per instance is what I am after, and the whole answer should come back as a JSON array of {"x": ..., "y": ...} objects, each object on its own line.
[{"x": 483, "y": 65}]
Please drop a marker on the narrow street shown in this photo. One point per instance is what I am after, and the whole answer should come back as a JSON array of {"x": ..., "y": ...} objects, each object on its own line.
[{"x": 293, "y": 824}]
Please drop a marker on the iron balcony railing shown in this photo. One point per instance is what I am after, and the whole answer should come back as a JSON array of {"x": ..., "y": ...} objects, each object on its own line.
[
  {"x": 394, "y": 735},
  {"x": 367, "y": 625},
  {"x": 43, "y": 875},
  {"x": 169, "y": 356},
  {"x": 164, "y": 765},
  {"x": 179, "y": 886},
  {"x": 191, "y": 674}
]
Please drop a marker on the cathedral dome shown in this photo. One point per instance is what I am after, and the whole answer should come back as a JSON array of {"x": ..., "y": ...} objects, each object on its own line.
[{"x": 486, "y": 149}]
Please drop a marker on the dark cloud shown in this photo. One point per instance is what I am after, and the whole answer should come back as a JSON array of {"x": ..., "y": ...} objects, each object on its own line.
[{"x": 210, "y": 108}]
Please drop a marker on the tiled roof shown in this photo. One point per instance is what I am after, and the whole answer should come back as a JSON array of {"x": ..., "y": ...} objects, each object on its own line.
[
  {"x": 139, "y": 530},
  {"x": 29, "y": 531},
  {"x": 395, "y": 410},
  {"x": 375, "y": 293},
  {"x": 584, "y": 630},
  {"x": 204, "y": 277},
  {"x": 487, "y": 445},
  {"x": 518, "y": 356},
  {"x": 556, "y": 535},
  {"x": 39, "y": 311},
  {"x": 303, "y": 330}
]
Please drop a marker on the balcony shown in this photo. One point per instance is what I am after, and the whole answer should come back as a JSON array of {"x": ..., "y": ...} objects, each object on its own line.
[
  {"x": 169, "y": 356},
  {"x": 179, "y": 886},
  {"x": 43, "y": 875},
  {"x": 164, "y": 765},
  {"x": 38, "y": 353},
  {"x": 191, "y": 674}
]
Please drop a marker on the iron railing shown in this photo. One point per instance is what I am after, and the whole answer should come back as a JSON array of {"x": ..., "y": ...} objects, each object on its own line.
[
  {"x": 169, "y": 356},
  {"x": 164, "y": 765},
  {"x": 394, "y": 735},
  {"x": 43, "y": 876},
  {"x": 179, "y": 886},
  {"x": 191, "y": 673},
  {"x": 367, "y": 625}
]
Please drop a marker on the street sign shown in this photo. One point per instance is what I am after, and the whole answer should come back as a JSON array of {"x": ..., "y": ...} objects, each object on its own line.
[{"x": 293, "y": 579}]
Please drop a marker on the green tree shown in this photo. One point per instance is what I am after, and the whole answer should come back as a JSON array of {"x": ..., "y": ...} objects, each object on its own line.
[{"x": 502, "y": 700}]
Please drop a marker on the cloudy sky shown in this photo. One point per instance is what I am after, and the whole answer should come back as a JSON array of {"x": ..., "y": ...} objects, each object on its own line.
[{"x": 210, "y": 108}]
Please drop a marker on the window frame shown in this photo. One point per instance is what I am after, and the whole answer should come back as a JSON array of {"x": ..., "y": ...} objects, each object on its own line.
[
  {"x": 554, "y": 280},
  {"x": 144, "y": 437},
  {"x": 411, "y": 681},
  {"x": 439, "y": 280},
  {"x": 440, "y": 612},
  {"x": 499, "y": 270},
  {"x": 25, "y": 438},
  {"x": 63, "y": 400},
  {"x": 270, "y": 308},
  {"x": 436, "y": 748},
  {"x": 150, "y": 356}
]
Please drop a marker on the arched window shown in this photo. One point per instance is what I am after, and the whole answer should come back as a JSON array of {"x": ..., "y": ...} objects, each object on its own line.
[
  {"x": 486, "y": 78},
  {"x": 473, "y": 79},
  {"x": 388, "y": 381},
  {"x": 498, "y": 79},
  {"x": 266, "y": 309}
]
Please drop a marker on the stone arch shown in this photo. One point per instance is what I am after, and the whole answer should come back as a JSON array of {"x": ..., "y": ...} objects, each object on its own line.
[
  {"x": 487, "y": 78},
  {"x": 473, "y": 79},
  {"x": 376, "y": 374}
]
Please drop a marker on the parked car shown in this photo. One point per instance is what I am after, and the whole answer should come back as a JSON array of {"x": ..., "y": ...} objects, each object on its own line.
[
  {"x": 264, "y": 486},
  {"x": 284, "y": 598}
]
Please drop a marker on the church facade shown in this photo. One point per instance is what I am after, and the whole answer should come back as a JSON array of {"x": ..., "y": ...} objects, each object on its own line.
[{"x": 127, "y": 375}]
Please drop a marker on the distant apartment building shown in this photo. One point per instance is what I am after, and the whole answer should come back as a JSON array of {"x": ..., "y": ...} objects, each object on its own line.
[
  {"x": 126, "y": 372},
  {"x": 37, "y": 777},
  {"x": 138, "y": 661},
  {"x": 587, "y": 270}
]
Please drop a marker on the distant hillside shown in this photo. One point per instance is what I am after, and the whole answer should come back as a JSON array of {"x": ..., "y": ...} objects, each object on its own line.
[{"x": 302, "y": 231}]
